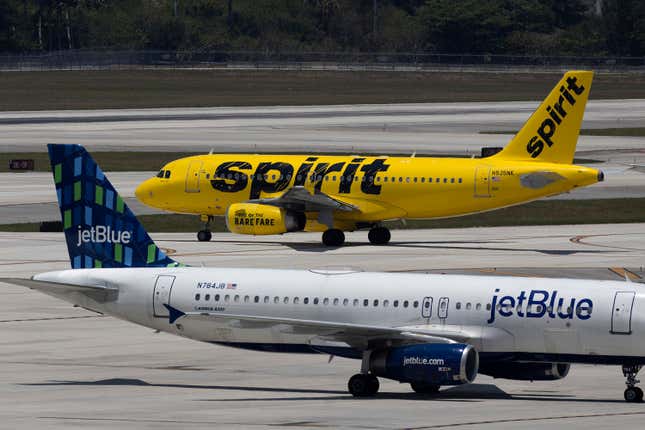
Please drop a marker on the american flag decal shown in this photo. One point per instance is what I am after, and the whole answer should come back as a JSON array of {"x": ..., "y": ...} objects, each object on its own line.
[{"x": 230, "y": 286}]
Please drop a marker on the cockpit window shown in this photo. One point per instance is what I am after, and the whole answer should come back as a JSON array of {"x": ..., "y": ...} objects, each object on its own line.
[
  {"x": 167, "y": 175},
  {"x": 160, "y": 174}
]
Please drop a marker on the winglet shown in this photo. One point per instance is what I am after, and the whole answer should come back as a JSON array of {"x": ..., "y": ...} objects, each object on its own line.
[{"x": 173, "y": 313}]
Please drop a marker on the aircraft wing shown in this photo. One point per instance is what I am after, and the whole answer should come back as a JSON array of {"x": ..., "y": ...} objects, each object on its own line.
[
  {"x": 300, "y": 199},
  {"x": 357, "y": 335},
  {"x": 99, "y": 293}
]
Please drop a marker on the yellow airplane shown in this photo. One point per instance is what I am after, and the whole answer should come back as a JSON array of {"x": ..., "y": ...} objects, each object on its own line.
[{"x": 274, "y": 194}]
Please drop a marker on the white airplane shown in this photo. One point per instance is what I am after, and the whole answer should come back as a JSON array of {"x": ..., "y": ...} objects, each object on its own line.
[{"x": 425, "y": 330}]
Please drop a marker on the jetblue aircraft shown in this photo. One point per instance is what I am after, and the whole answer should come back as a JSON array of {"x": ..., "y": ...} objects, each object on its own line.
[{"x": 425, "y": 330}]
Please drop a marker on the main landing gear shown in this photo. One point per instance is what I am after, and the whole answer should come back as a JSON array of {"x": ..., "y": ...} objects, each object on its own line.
[
  {"x": 377, "y": 236},
  {"x": 205, "y": 235},
  {"x": 333, "y": 237},
  {"x": 633, "y": 394},
  {"x": 363, "y": 385}
]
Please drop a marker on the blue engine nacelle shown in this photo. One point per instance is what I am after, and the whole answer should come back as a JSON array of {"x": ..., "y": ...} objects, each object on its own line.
[{"x": 436, "y": 364}]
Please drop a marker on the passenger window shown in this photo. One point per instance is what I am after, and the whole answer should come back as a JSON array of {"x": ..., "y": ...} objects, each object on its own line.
[
  {"x": 445, "y": 180},
  {"x": 246, "y": 299},
  {"x": 452, "y": 180},
  {"x": 400, "y": 178},
  {"x": 468, "y": 306},
  {"x": 478, "y": 307},
  {"x": 405, "y": 304},
  {"x": 217, "y": 297},
  {"x": 327, "y": 178},
  {"x": 429, "y": 180},
  {"x": 378, "y": 179},
  {"x": 197, "y": 296},
  {"x": 256, "y": 299},
  {"x": 415, "y": 179},
  {"x": 325, "y": 301},
  {"x": 266, "y": 299},
  {"x": 316, "y": 301},
  {"x": 236, "y": 299},
  {"x": 375, "y": 302},
  {"x": 415, "y": 304},
  {"x": 438, "y": 180},
  {"x": 458, "y": 305},
  {"x": 488, "y": 306},
  {"x": 276, "y": 299},
  {"x": 336, "y": 301},
  {"x": 345, "y": 302},
  {"x": 167, "y": 175},
  {"x": 459, "y": 180},
  {"x": 296, "y": 300},
  {"x": 393, "y": 179},
  {"x": 207, "y": 297},
  {"x": 395, "y": 303},
  {"x": 366, "y": 302},
  {"x": 227, "y": 298},
  {"x": 407, "y": 179},
  {"x": 305, "y": 300},
  {"x": 384, "y": 178},
  {"x": 355, "y": 303},
  {"x": 423, "y": 179},
  {"x": 286, "y": 300},
  {"x": 386, "y": 303},
  {"x": 208, "y": 175}
]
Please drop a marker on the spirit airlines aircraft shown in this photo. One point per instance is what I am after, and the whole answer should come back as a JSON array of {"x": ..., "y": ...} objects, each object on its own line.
[
  {"x": 425, "y": 330},
  {"x": 274, "y": 194}
]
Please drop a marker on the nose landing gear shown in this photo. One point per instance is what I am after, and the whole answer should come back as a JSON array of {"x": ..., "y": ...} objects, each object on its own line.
[
  {"x": 633, "y": 394},
  {"x": 205, "y": 235}
]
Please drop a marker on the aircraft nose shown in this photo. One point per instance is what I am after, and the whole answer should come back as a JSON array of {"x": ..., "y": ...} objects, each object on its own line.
[{"x": 144, "y": 192}]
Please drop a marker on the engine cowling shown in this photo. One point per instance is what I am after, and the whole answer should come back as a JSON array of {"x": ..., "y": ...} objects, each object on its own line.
[
  {"x": 257, "y": 219},
  {"x": 437, "y": 364},
  {"x": 525, "y": 371}
]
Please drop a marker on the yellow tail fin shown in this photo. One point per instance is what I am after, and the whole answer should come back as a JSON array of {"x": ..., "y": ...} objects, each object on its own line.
[{"x": 551, "y": 133}]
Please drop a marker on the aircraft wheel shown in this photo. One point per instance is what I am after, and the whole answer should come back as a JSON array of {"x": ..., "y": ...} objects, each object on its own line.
[
  {"x": 333, "y": 237},
  {"x": 379, "y": 236},
  {"x": 363, "y": 385},
  {"x": 423, "y": 388},
  {"x": 633, "y": 395},
  {"x": 204, "y": 235}
]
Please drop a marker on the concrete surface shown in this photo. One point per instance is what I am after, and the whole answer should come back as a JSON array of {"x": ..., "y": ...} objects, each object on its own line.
[{"x": 64, "y": 367}]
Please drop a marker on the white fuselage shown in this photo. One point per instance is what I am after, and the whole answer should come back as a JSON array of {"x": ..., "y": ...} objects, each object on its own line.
[{"x": 577, "y": 320}]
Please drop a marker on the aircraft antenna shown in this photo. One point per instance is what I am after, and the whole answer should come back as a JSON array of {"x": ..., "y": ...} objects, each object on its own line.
[{"x": 211, "y": 151}]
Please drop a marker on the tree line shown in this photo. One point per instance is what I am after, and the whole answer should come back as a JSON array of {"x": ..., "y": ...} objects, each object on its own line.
[{"x": 508, "y": 27}]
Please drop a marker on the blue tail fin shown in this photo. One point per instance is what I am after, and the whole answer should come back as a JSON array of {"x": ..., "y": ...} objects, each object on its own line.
[{"x": 99, "y": 228}]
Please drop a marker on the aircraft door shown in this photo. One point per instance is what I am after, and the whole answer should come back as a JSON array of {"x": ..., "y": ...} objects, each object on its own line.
[
  {"x": 161, "y": 295},
  {"x": 192, "y": 176},
  {"x": 621, "y": 315},
  {"x": 482, "y": 181},
  {"x": 426, "y": 308},
  {"x": 442, "y": 311}
]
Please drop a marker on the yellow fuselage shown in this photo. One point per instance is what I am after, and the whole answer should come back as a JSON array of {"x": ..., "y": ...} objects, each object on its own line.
[{"x": 381, "y": 188}]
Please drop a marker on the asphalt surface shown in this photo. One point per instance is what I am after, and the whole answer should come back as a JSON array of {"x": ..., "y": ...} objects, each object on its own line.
[{"x": 62, "y": 367}]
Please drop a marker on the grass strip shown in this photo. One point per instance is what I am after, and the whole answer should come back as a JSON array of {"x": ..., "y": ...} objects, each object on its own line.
[
  {"x": 542, "y": 212},
  {"x": 104, "y": 89}
]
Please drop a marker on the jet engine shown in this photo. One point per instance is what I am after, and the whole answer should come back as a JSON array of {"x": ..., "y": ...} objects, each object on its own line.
[
  {"x": 525, "y": 371},
  {"x": 437, "y": 364},
  {"x": 258, "y": 219}
]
